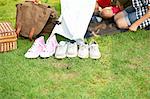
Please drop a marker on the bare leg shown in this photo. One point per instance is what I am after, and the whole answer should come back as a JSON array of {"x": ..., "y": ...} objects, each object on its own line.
[
  {"x": 135, "y": 25},
  {"x": 122, "y": 23},
  {"x": 107, "y": 12},
  {"x": 120, "y": 19},
  {"x": 119, "y": 15}
]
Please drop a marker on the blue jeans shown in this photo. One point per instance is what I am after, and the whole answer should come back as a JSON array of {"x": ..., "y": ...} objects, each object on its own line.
[{"x": 130, "y": 15}]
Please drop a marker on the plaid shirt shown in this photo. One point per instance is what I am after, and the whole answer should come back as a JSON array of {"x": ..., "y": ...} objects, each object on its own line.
[{"x": 141, "y": 7}]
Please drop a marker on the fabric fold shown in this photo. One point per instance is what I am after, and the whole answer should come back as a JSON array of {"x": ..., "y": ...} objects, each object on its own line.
[{"x": 75, "y": 18}]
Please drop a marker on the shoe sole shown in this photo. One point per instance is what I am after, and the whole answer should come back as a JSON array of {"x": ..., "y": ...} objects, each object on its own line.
[
  {"x": 46, "y": 56},
  {"x": 60, "y": 57},
  {"x": 95, "y": 57},
  {"x": 71, "y": 56},
  {"x": 92, "y": 57},
  {"x": 83, "y": 57},
  {"x": 31, "y": 57}
]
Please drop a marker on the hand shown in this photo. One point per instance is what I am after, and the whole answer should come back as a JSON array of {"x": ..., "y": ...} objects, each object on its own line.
[
  {"x": 34, "y": 1},
  {"x": 30, "y": 0},
  {"x": 133, "y": 27}
]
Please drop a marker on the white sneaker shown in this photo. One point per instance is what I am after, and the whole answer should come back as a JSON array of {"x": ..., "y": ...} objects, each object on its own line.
[
  {"x": 61, "y": 50},
  {"x": 94, "y": 51},
  {"x": 79, "y": 41},
  {"x": 72, "y": 49},
  {"x": 36, "y": 48},
  {"x": 50, "y": 48},
  {"x": 83, "y": 51}
]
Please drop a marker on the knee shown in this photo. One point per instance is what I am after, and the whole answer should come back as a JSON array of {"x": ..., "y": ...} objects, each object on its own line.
[
  {"x": 107, "y": 13},
  {"x": 121, "y": 24},
  {"x": 118, "y": 16}
]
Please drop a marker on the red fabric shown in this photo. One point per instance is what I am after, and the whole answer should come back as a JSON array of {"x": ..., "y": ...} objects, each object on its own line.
[
  {"x": 104, "y": 3},
  {"x": 116, "y": 9}
]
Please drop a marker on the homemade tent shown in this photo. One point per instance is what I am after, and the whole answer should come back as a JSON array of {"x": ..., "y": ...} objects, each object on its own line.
[{"x": 75, "y": 18}]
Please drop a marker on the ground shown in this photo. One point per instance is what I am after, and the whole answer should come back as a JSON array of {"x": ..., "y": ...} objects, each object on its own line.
[{"x": 123, "y": 72}]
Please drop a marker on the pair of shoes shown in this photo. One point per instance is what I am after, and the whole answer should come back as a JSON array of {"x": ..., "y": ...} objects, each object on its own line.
[
  {"x": 91, "y": 50},
  {"x": 39, "y": 48},
  {"x": 66, "y": 49},
  {"x": 50, "y": 48}
]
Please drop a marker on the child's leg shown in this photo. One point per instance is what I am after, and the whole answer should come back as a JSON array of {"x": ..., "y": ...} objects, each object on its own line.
[
  {"x": 122, "y": 22},
  {"x": 125, "y": 18},
  {"x": 107, "y": 12},
  {"x": 126, "y": 21},
  {"x": 124, "y": 13},
  {"x": 135, "y": 24}
]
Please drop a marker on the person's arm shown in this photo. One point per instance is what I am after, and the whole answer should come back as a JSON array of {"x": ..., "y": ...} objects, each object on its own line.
[{"x": 135, "y": 25}]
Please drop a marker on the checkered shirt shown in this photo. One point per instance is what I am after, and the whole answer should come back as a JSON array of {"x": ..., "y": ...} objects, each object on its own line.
[{"x": 141, "y": 7}]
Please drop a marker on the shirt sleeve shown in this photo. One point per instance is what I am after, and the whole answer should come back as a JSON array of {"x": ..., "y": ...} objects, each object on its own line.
[{"x": 148, "y": 2}]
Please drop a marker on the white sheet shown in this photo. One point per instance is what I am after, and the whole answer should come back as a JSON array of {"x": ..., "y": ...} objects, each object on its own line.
[{"x": 75, "y": 17}]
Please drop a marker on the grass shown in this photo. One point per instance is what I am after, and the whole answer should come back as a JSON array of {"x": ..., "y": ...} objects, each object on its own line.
[{"x": 123, "y": 72}]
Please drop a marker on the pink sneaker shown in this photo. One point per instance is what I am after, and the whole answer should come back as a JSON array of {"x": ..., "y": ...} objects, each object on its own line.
[
  {"x": 50, "y": 48},
  {"x": 36, "y": 48}
]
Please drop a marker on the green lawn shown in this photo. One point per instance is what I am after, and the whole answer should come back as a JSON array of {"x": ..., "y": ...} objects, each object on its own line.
[{"x": 123, "y": 72}]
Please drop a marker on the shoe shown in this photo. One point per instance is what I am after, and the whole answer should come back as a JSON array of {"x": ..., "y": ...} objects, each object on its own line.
[
  {"x": 83, "y": 51},
  {"x": 94, "y": 51},
  {"x": 36, "y": 48},
  {"x": 96, "y": 19},
  {"x": 72, "y": 49},
  {"x": 61, "y": 50},
  {"x": 50, "y": 48},
  {"x": 79, "y": 41}
]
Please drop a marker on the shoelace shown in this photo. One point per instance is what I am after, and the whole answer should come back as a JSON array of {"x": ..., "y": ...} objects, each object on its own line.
[
  {"x": 47, "y": 48},
  {"x": 71, "y": 45},
  {"x": 94, "y": 47},
  {"x": 83, "y": 47},
  {"x": 61, "y": 45},
  {"x": 35, "y": 44}
]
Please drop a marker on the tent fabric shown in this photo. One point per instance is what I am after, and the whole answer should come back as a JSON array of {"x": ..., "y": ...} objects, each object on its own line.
[{"x": 75, "y": 18}]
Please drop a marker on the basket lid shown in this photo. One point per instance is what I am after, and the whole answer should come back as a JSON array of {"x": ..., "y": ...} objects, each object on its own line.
[{"x": 6, "y": 27}]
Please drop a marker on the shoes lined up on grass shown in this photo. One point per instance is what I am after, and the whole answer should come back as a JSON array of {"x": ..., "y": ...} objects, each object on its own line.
[
  {"x": 94, "y": 51},
  {"x": 68, "y": 49},
  {"x": 83, "y": 51},
  {"x": 39, "y": 48},
  {"x": 36, "y": 48},
  {"x": 50, "y": 47},
  {"x": 63, "y": 49},
  {"x": 91, "y": 50}
]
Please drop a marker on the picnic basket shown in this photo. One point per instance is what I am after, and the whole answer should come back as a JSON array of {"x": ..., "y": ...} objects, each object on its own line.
[{"x": 8, "y": 37}]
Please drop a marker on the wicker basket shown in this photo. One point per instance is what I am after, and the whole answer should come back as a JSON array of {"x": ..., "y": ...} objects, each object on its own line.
[{"x": 8, "y": 37}]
